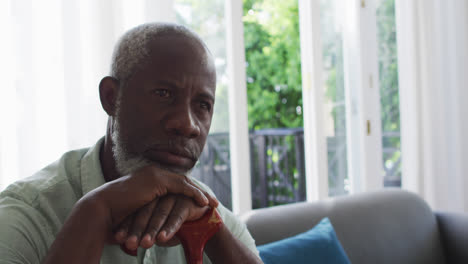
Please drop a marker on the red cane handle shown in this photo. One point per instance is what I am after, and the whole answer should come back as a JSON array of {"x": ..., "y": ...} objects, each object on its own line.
[{"x": 194, "y": 234}]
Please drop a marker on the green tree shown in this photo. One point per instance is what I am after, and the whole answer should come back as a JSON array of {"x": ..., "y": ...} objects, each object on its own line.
[{"x": 272, "y": 48}]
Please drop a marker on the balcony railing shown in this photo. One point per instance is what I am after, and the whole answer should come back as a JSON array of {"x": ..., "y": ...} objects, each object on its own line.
[{"x": 277, "y": 166}]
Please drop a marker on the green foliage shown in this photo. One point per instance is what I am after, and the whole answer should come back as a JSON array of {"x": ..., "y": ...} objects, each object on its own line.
[
  {"x": 272, "y": 47},
  {"x": 388, "y": 66}
]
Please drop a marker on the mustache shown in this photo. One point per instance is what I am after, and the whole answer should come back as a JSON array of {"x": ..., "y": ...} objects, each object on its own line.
[{"x": 183, "y": 147}]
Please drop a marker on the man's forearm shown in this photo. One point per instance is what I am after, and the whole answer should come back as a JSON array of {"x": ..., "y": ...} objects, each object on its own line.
[
  {"x": 223, "y": 247},
  {"x": 81, "y": 239}
]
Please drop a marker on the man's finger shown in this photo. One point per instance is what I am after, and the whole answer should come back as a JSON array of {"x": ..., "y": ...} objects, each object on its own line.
[
  {"x": 174, "y": 241},
  {"x": 212, "y": 201},
  {"x": 177, "y": 217},
  {"x": 121, "y": 233},
  {"x": 160, "y": 214},
  {"x": 138, "y": 226},
  {"x": 184, "y": 185}
]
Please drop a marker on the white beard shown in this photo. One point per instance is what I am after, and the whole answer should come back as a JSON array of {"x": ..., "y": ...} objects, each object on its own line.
[{"x": 126, "y": 162}]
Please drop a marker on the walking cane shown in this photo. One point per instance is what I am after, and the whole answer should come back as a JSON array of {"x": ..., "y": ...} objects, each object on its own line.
[{"x": 193, "y": 235}]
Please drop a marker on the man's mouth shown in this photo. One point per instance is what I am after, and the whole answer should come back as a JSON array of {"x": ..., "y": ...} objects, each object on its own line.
[{"x": 174, "y": 158}]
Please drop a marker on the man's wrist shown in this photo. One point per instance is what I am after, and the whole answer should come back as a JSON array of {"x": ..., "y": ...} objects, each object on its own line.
[{"x": 93, "y": 210}]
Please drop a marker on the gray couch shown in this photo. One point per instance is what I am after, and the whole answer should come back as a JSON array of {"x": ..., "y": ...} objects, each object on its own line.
[{"x": 390, "y": 226}]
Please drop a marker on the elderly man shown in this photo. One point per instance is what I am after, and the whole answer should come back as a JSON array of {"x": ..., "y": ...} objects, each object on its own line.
[{"x": 132, "y": 188}]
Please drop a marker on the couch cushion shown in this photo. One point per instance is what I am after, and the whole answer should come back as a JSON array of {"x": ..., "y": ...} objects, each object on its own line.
[
  {"x": 319, "y": 244},
  {"x": 389, "y": 226},
  {"x": 453, "y": 229}
]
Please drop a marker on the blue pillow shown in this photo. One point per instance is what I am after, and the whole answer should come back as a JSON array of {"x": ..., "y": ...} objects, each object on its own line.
[{"x": 318, "y": 245}]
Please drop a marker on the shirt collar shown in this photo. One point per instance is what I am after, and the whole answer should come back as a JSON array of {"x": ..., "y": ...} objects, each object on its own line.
[{"x": 91, "y": 170}]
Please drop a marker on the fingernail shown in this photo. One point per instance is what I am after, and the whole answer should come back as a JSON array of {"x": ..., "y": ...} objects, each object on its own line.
[
  {"x": 132, "y": 242},
  {"x": 147, "y": 238},
  {"x": 121, "y": 234},
  {"x": 163, "y": 234}
]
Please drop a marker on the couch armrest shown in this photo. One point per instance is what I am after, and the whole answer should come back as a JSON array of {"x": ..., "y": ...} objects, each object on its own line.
[{"x": 454, "y": 234}]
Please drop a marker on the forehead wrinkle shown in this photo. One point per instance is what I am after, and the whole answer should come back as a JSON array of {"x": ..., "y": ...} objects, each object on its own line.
[
  {"x": 161, "y": 47},
  {"x": 179, "y": 79}
]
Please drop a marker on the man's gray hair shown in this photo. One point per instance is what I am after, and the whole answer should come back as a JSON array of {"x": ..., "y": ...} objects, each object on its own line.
[{"x": 133, "y": 47}]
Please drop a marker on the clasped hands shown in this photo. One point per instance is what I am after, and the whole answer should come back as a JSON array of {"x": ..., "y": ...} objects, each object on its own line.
[
  {"x": 157, "y": 222},
  {"x": 149, "y": 206}
]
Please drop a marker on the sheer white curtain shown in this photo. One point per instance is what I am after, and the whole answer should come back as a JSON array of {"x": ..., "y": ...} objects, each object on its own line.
[
  {"x": 433, "y": 62},
  {"x": 53, "y": 55}
]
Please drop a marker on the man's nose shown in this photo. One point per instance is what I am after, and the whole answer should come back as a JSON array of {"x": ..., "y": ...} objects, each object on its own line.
[{"x": 181, "y": 123}]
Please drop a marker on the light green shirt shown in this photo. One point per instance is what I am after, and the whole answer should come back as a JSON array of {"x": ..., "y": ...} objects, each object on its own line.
[{"x": 33, "y": 210}]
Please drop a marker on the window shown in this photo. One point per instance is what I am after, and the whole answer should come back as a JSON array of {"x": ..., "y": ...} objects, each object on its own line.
[
  {"x": 359, "y": 124},
  {"x": 388, "y": 72},
  {"x": 274, "y": 96},
  {"x": 331, "y": 18}
]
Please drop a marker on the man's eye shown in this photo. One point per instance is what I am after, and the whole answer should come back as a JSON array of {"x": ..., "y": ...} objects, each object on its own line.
[
  {"x": 205, "y": 105},
  {"x": 162, "y": 92}
]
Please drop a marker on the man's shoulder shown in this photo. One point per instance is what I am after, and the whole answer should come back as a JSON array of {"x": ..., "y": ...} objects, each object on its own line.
[
  {"x": 33, "y": 209},
  {"x": 52, "y": 182}
]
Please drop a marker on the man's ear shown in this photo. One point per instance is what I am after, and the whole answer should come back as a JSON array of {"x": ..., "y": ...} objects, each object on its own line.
[{"x": 108, "y": 91}]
